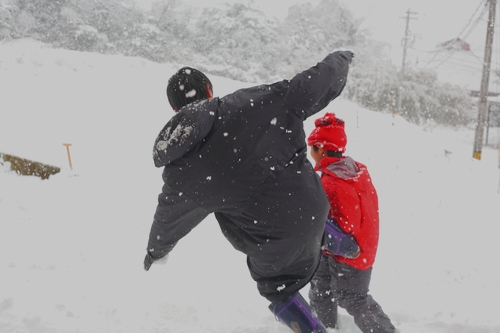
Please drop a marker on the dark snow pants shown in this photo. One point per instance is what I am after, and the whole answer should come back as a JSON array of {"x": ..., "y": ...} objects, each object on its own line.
[
  {"x": 338, "y": 284},
  {"x": 280, "y": 228},
  {"x": 281, "y": 232}
]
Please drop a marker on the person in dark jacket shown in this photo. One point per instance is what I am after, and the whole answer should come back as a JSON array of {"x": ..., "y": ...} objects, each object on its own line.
[
  {"x": 243, "y": 157},
  {"x": 339, "y": 280}
]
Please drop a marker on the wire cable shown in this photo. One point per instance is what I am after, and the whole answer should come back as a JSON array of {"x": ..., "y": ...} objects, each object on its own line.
[
  {"x": 451, "y": 52},
  {"x": 484, "y": 3}
]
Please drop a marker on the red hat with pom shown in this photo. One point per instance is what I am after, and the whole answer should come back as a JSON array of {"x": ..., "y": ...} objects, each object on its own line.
[{"x": 329, "y": 133}]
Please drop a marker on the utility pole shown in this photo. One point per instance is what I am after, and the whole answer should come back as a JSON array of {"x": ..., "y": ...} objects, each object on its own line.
[
  {"x": 405, "y": 47},
  {"x": 483, "y": 94},
  {"x": 406, "y": 38}
]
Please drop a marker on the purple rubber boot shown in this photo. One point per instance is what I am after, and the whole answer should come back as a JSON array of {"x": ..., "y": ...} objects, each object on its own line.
[{"x": 296, "y": 313}]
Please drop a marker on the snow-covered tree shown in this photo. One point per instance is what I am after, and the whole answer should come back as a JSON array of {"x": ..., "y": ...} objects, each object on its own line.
[
  {"x": 238, "y": 41},
  {"x": 40, "y": 18},
  {"x": 171, "y": 39},
  {"x": 241, "y": 38},
  {"x": 7, "y": 12},
  {"x": 310, "y": 30}
]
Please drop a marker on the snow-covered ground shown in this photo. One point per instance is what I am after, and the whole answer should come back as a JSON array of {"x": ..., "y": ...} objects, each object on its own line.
[{"x": 72, "y": 247}]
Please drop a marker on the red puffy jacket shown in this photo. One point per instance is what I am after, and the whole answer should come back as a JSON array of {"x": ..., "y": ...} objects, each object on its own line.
[{"x": 353, "y": 204}]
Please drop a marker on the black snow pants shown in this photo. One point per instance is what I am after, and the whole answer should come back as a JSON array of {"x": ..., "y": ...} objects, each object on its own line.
[
  {"x": 281, "y": 232},
  {"x": 338, "y": 284},
  {"x": 280, "y": 227}
]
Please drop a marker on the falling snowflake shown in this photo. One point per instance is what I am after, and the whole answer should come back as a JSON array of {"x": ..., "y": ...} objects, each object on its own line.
[{"x": 191, "y": 93}]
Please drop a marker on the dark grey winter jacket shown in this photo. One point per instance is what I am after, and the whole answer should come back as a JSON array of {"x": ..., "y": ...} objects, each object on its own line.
[{"x": 221, "y": 151}]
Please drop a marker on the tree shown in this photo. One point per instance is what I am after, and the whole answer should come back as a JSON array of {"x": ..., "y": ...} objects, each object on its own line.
[
  {"x": 41, "y": 17},
  {"x": 7, "y": 12},
  {"x": 237, "y": 41},
  {"x": 310, "y": 30},
  {"x": 240, "y": 38}
]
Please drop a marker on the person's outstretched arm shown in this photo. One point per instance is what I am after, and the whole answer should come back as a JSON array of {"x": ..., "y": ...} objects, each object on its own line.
[{"x": 312, "y": 90}]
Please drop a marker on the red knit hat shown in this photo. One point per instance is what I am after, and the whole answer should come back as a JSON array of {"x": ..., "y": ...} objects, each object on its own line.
[{"x": 329, "y": 133}]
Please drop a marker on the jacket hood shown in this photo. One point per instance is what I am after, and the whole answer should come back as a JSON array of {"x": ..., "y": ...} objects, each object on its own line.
[{"x": 344, "y": 167}]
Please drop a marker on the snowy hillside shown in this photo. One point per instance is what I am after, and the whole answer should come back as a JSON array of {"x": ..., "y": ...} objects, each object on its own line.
[{"x": 71, "y": 247}]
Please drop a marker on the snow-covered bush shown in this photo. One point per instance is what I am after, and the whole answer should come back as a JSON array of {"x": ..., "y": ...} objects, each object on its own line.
[{"x": 238, "y": 41}]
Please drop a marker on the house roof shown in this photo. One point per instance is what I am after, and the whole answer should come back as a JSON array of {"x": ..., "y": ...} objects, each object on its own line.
[{"x": 455, "y": 44}]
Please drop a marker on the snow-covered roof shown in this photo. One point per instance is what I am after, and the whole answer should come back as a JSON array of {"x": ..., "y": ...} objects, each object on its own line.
[{"x": 455, "y": 44}]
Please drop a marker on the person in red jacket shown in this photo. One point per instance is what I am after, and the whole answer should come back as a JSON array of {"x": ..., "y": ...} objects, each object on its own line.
[{"x": 344, "y": 281}]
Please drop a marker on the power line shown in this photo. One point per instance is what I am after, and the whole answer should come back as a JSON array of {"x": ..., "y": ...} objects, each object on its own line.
[
  {"x": 476, "y": 22},
  {"x": 474, "y": 25},
  {"x": 470, "y": 24},
  {"x": 484, "y": 3},
  {"x": 462, "y": 62}
]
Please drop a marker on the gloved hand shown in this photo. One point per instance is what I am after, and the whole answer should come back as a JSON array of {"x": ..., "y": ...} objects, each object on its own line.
[
  {"x": 348, "y": 54},
  {"x": 339, "y": 242},
  {"x": 149, "y": 260}
]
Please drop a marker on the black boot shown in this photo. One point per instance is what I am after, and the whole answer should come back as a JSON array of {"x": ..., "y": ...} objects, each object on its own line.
[{"x": 296, "y": 314}]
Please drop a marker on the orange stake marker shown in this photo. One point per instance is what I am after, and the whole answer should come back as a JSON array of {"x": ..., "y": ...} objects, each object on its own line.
[{"x": 69, "y": 155}]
